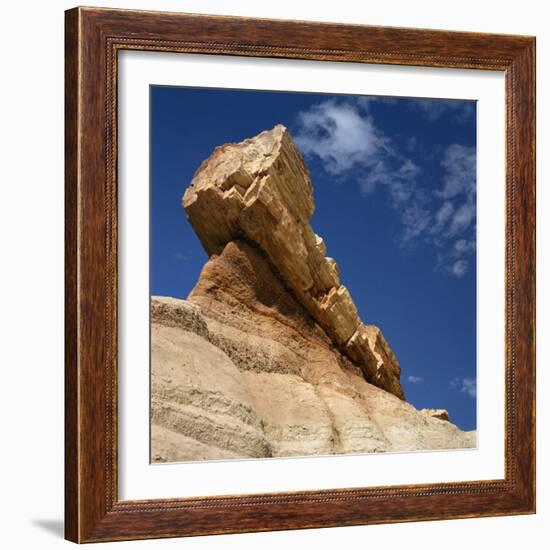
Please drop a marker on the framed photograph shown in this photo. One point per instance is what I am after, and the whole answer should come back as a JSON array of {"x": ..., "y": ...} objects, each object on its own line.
[{"x": 300, "y": 275}]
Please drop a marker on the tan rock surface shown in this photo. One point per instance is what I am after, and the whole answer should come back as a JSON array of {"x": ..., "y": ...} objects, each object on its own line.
[
  {"x": 242, "y": 369},
  {"x": 260, "y": 190},
  {"x": 442, "y": 414},
  {"x": 200, "y": 404}
]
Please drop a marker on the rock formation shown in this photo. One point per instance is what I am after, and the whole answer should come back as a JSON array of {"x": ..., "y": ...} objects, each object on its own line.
[
  {"x": 267, "y": 356},
  {"x": 260, "y": 190},
  {"x": 442, "y": 414}
]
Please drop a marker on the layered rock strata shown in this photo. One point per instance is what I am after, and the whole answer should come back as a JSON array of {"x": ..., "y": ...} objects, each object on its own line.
[
  {"x": 260, "y": 191},
  {"x": 241, "y": 369}
]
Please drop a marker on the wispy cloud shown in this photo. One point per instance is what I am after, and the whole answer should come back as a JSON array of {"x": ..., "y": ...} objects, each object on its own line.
[
  {"x": 179, "y": 256},
  {"x": 434, "y": 109},
  {"x": 465, "y": 385},
  {"x": 459, "y": 268},
  {"x": 442, "y": 217},
  {"x": 415, "y": 379},
  {"x": 344, "y": 135},
  {"x": 341, "y": 135},
  {"x": 397, "y": 173},
  {"x": 459, "y": 163},
  {"x": 459, "y": 189}
]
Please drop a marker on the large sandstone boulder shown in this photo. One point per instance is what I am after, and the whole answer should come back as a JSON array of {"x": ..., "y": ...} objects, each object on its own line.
[{"x": 260, "y": 190}]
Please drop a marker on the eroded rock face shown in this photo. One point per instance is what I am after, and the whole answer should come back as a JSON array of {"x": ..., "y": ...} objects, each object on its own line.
[
  {"x": 259, "y": 190},
  {"x": 442, "y": 414},
  {"x": 200, "y": 408},
  {"x": 242, "y": 369}
]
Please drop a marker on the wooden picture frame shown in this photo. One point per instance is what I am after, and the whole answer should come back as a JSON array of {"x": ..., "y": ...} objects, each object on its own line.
[{"x": 93, "y": 511}]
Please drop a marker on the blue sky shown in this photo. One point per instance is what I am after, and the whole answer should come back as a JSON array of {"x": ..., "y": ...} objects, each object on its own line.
[{"x": 394, "y": 184}]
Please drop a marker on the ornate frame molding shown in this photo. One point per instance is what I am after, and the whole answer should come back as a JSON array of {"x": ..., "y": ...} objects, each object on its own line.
[{"x": 93, "y": 38}]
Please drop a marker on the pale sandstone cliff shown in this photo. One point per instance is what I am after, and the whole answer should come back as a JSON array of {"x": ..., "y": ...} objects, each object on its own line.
[{"x": 267, "y": 357}]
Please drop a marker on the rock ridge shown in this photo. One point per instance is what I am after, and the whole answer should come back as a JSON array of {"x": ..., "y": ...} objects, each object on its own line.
[
  {"x": 240, "y": 369},
  {"x": 260, "y": 191}
]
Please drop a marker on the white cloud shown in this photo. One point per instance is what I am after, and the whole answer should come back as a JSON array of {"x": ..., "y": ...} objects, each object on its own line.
[
  {"x": 343, "y": 135},
  {"x": 459, "y": 268},
  {"x": 462, "y": 219},
  {"x": 365, "y": 101},
  {"x": 411, "y": 143},
  {"x": 459, "y": 163},
  {"x": 442, "y": 216},
  {"x": 451, "y": 225},
  {"x": 459, "y": 191},
  {"x": 469, "y": 386},
  {"x": 400, "y": 182},
  {"x": 179, "y": 256},
  {"x": 433, "y": 109},
  {"x": 465, "y": 385},
  {"x": 340, "y": 135},
  {"x": 415, "y": 218},
  {"x": 415, "y": 379},
  {"x": 463, "y": 247}
]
